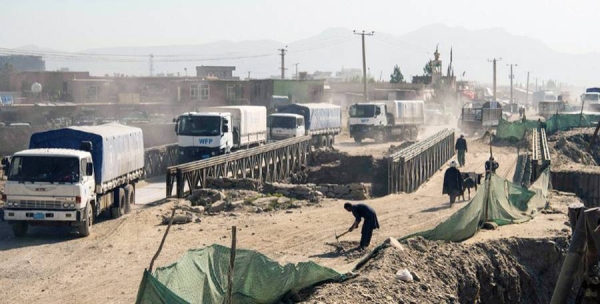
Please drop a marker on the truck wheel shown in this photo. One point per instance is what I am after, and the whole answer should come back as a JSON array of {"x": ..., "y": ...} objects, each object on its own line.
[
  {"x": 85, "y": 228},
  {"x": 323, "y": 141},
  {"x": 380, "y": 137},
  {"x": 415, "y": 133},
  {"x": 118, "y": 208},
  {"x": 357, "y": 140},
  {"x": 129, "y": 197},
  {"x": 407, "y": 134},
  {"x": 20, "y": 228}
]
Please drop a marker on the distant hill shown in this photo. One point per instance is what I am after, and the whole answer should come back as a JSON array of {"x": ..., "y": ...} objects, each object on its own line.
[{"x": 337, "y": 48}]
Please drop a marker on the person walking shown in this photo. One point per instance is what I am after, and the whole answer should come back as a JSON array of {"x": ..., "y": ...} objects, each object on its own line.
[
  {"x": 461, "y": 149},
  {"x": 453, "y": 182},
  {"x": 363, "y": 211}
]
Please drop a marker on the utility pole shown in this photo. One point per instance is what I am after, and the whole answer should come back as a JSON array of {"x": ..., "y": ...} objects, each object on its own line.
[
  {"x": 527, "y": 94},
  {"x": 151, "y": 64},
  {"x": 536, "y": 85},
  {"x": 248, "y": 74},
  {"x": 364, "y": 60},
  {"x": 512, "y": 76},
  {"x": 296, "y": 64},
  {"x": 494, "y": 61},
  {"x": 282, "y": 54}
]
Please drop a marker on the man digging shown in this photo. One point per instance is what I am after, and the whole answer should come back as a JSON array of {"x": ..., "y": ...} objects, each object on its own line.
[{"x": 363, "y": 211}]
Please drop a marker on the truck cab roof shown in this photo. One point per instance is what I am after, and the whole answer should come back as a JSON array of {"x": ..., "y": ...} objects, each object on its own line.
[
  {"x": 286, "y": 115},
  {"x": 215, "y": 114},
  {"x": 53, "y": 152}
]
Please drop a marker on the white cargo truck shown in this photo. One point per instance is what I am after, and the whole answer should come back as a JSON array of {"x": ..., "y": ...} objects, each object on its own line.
[
  {"x": 385, "y": 119},
  {"x": 219, "y": 130},
  {"x": 321, "y": 120},
  {"x": 69, "y": 176}
]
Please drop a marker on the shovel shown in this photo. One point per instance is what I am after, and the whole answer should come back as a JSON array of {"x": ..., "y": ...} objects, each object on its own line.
[{"x": 340, "y": 244}]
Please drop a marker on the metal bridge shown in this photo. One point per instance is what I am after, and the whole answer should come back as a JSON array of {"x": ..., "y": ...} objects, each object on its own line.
[
  {"x": 269, "y": 163},
  {"x": 409, "y": 168}
]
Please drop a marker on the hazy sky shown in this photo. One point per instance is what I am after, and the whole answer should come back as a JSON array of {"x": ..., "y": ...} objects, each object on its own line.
[{"x": 74, "y": 25}]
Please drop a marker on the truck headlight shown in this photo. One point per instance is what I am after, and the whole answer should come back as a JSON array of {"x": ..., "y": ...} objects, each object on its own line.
[{"x": 213, "y": 153}]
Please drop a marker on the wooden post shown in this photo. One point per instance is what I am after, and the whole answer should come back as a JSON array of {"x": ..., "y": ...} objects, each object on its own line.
[
  {"x": 229, "y": 299},
  {"x": 574, "y": 257},
  {"x": 162, "y": 242}
]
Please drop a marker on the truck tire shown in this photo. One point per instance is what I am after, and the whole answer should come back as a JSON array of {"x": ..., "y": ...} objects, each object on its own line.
[
  {"x": 415, "y": 133},
  {"x": 380, "y": 137},
  {"x": 332, "y": 140},
  {"x": 118, "y": 208},
  {"x": 322, "y": 141},
  {"x": 20, "y": 228},
  {"x": 357, "y": 140},
  {"x": 129, "y": 197},
  {"x": 85, "y": 227}
]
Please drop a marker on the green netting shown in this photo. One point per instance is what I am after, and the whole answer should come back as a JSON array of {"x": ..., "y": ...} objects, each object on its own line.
[
  {"x": 559, "y": 122},
  {"x": 200, "y": 276},
  {"x": 514, "y": 129},
  {"x": 506, "y": 202}
]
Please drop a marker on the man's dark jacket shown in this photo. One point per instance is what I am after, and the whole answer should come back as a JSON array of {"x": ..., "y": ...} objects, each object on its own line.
[{"x": 453, "y": 183}]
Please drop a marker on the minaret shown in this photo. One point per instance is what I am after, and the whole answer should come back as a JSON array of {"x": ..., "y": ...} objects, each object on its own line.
[{"x": 436, "y": 68}]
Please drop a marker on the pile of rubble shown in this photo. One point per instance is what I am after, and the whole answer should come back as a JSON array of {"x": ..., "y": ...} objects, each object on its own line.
[{"x": 511, "y": 270}]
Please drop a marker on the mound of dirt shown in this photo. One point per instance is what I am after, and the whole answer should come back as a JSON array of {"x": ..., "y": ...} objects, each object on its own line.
[{"x": 513, "y": 270}]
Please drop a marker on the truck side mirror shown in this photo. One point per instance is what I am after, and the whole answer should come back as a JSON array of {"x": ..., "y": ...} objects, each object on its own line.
[{"x": 89, "y": 169}]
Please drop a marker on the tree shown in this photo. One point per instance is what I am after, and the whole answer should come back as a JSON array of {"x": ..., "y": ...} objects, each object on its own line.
[
  {"x": 396, "y": 76},
  {"x": 428, "y": 68}
]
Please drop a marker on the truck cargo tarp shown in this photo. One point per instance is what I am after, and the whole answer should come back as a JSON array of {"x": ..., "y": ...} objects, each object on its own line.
[
  {"x": 317, "y": 116},
  {"x": 200, "y": 276},
  {"x": 117, "y": 149},
  {"x": 507, "y": 204}
]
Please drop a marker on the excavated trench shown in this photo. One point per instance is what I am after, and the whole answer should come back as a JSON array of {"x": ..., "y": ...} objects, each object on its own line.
[
  {"x": 513, "y": 270},
  {"x": 334, "y": 167}
]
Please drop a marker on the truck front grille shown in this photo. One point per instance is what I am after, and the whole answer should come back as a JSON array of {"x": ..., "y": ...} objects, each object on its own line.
[{"x": 35, "y": 204}]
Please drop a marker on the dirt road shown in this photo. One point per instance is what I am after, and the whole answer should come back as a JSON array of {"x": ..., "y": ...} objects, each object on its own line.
[{"x": 56, "y": 266}]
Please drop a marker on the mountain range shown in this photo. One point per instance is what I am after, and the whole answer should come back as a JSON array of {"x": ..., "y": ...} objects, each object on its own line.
[{"x": 337, "y": 48}]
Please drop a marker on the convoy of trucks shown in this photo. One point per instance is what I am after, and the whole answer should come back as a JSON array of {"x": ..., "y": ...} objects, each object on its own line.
[
  {"x": 321, "y": 120},
  {"x": 218, "y": 130},
  {"x": 69, "y": 176},
  {"x": 381, "y": 120}
]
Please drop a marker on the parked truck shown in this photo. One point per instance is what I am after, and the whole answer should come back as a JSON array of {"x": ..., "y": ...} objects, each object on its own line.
[
  {"x": 69, "y": 176},
  {"x": 218, "y": 130},
  {"x": 321, "y": 120},
  {"x": 381, "y": 120}
]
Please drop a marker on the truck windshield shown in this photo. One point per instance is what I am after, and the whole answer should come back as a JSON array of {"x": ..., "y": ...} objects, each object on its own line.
[
  {"x": 282, "y": 122},
  {"x": 51, "y": 169},
  {"x": 199, "y": 126},
  {"x": 362, "y": 111}
]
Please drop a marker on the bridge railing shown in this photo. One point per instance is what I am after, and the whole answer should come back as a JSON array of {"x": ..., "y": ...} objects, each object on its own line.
[
  {"x": 271, "y": 162},
  {"x": 158, "y": 159},
  {"x": 409, "y": 168},
  {"x": 540, "y": 153}
]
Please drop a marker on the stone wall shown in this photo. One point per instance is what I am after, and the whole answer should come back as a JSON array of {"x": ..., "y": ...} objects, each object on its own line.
[{"x": 310, "y": 192}]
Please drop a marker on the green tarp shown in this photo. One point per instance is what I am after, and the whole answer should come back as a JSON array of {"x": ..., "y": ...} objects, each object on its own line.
[
  {"x": 559, "y": 122},
  {"x": 508, "y": 203},
  {"x": 200, "y": 276}
]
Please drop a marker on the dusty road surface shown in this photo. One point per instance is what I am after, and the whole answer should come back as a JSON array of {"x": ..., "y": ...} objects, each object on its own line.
[{"x": 56, "y": 266}]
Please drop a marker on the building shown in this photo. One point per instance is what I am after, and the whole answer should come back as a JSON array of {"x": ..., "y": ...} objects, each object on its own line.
[
  {"x": 219, "y": 72},
  {"x": 54, "y": 84},
  {"x": 23, "y": 63}
]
